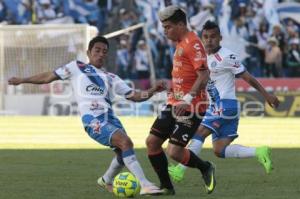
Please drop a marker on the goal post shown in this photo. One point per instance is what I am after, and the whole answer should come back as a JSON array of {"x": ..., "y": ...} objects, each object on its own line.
[
  {"x": 30, "y": 49},
  {"x": 26, "y": 50}
]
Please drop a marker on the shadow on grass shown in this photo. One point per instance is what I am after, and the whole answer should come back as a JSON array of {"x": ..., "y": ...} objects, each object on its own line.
[{"x": 61, "y": 174}]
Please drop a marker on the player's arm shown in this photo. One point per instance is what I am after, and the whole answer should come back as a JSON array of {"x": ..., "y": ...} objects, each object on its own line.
[
  {"x": 200, "y": 83},
  {"x": 42, "y": 78},
  {"x": 271, "y": 99},
  {"x": 140, "y": 96}
]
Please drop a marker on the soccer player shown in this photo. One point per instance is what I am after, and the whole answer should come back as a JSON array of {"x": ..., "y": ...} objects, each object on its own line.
[
  {"x": 222, "y": 117},
  {"x": 94, "y": 89},
  {"x": 187, "y": 102}
]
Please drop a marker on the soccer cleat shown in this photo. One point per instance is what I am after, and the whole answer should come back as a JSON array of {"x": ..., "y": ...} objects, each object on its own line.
[
  {"x": 209, "y": 178},
  {"x": 263, "y": 155},
  {"x": 151, "y": 190},
  {"x": 168, "y": 192},
  {"x": 176, "y": 172},
  {"x": 104, "y": 185}
]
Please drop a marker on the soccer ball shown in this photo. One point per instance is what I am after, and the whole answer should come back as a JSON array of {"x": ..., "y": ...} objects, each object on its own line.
[{"x": 126, "y": 185}]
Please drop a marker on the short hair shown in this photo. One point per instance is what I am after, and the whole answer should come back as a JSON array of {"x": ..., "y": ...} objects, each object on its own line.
[
  {"x": 211, "y": 25},
  {"x": 98, "y": 39},
  {"x": 173, "y": 14}
]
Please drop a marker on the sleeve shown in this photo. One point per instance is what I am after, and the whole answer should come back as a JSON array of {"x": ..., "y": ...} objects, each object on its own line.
[
  {"x": 234, "y": 64},
  {"x": 197, "y": 56},
  {"x": 120, "y": 87},
  {"x": 65, "y": 72}
]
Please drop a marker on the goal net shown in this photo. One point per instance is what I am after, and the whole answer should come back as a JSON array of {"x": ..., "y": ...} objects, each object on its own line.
[{"x": 32, "y": 49}]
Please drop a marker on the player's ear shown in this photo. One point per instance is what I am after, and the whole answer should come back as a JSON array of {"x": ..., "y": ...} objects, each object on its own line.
[
  {"x": 88, "y": 52},
  {"x": 221, "y": 37}
]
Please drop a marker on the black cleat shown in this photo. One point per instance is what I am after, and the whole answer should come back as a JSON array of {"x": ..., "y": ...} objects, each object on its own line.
[{"x": 209, "y": 178}]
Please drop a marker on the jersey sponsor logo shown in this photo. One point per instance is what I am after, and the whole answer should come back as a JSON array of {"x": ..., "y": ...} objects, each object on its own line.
[
  {"x": 87, "y": 70},
  {"x": 185, "y": 120},
  {"x": 177, "y": 63},
  {"x": 199, "y": 57},
  {"x": 93, "y": 89},
  {"x": 95, "y": 106},
  {"x": 177, "y": 80},
  {"x": 232, "y": 56},
  {"x": 237, "y": 64},
  {"x": 197, "y": 46},
  {"x": 185, "y": 137},
  {"x": 178, "y": 95}
]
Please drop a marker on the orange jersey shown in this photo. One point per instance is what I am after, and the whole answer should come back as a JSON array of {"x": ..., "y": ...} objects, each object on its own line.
[{"x": 189, "y": 58}]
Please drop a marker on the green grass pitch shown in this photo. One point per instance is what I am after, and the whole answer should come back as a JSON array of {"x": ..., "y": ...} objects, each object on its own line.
[{"x": 52, "y": 157}]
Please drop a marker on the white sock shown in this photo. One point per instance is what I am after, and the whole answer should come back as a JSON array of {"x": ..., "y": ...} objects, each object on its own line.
[
  {"x": 195, "y": 146},
  {"x": 114, "y": 168},
  {"x": 134, "y": 167},
  {"x": 239, "y": 151}
]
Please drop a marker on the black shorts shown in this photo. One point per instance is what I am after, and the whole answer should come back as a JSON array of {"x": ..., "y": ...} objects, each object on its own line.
[{"x": 179, "y": 129}]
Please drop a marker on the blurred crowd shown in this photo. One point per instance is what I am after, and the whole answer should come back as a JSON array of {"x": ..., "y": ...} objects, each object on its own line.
[
  {"x": 264, "y": 32},
  {"x": 93, "y": 12}
]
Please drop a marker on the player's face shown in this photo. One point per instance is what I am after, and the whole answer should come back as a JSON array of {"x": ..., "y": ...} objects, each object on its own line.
[
  {"x": 171, "y": 30},
  {"x": 211, "y": 40},
  {"x": 98, "y": 54}
]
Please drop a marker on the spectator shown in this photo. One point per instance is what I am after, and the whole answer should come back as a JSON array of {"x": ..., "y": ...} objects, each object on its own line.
[
  {"x": 18, "y": 11},
  {"x": 293, "y": 58},
  {"x": 2, "y": 11},
  {"x": 273, "y": 59},
  {"x": 45, "y": 11},
  {"x": 279, "y": 35},
  {"x": 142, "y": 65},
  {"x": 82, "y": 11},
  {"x": 122, "y": 60},
  {"x": 127, "y": 18}
]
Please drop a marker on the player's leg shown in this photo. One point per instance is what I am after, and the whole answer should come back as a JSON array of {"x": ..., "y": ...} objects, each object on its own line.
[
  {"x": 120, "y": 140},
  {"x": 159, "y": 132},
  {"x": 184, "y": 131},
  {"x": 114, "y": 168},
  {"x": 177, "y": 172},
  {"x": 224, "y": 149},
  {"x": 112, "y": 134}
]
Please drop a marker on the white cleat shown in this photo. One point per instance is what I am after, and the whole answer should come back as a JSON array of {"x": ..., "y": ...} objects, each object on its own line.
[
  {"x": 104, "y": 185},
  {"x": 151, "y": 190}
]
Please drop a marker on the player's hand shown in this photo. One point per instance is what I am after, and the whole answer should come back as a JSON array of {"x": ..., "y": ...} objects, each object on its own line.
[
  {"x": 15, "y": 81},
  {"x": 272, "y": 101},
  {"x": 160, "y": 85},
  {"x": 181, "y": 108}
]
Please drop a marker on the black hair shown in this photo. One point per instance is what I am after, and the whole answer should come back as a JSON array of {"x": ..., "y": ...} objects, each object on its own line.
[
  {"x": 178, "y": 16},
  {"x": 211, "y": 25},
  {"x": 98, "y": 39}
]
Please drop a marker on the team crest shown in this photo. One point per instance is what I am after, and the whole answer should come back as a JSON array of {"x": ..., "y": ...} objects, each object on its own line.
[
  {"x": 179, "y": 51},
  {"x": 213, "y": 64},
  {"x": 95, "y": 125}
]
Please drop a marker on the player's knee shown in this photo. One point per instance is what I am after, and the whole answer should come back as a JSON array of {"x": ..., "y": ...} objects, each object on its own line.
[
  {"x": 151, "y": 143},
  {"x": 126, "y": 144},
  {"x": 174, "y": 153},
  {"x": 218, "y": 153}
]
